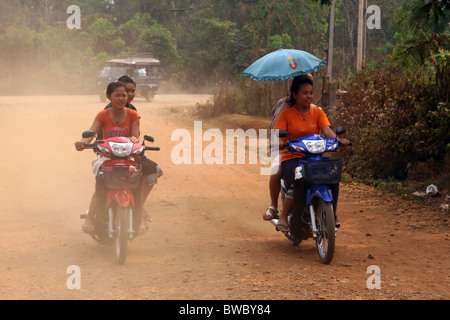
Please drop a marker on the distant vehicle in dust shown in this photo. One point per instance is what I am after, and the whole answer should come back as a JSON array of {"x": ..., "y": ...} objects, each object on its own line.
[{"x": 141, "y": 68}]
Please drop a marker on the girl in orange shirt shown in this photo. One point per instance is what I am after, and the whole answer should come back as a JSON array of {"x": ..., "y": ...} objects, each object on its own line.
[
  {"x": 118, "y": 121},
  {"x": 299, "y": 120}
]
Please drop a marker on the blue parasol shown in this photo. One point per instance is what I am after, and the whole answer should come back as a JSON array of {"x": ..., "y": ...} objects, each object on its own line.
[{"x": 283, "y": 64}]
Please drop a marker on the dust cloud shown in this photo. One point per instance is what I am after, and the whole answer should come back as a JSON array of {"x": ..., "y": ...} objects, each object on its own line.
[{"x": 206, "y": 238}]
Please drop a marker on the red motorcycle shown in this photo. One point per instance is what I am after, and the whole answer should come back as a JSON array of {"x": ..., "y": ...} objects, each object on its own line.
[{"x": 118, "y": 220}]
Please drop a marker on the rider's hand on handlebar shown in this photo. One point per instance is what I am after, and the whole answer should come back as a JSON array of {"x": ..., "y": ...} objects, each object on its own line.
[
  {"x": 344, "y": 142},
  {"x": 134, "y": 140},
  {"x": 79, "y": 145}
]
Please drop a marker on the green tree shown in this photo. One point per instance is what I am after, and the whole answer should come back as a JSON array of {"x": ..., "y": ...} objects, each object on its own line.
[
  {"x": 160, "y": 42},
  {"x": 425, "y": 32},
  {"x": 425, "y": 42},
  {"x": 144, "y": 34},
  {"x": 104, "y": 37},
  {"x": 242, "y": 49},
  {"x": 209, "y": 45},
  {"x": 133, "y": 29},
  {"x": 400, "y": 114}
]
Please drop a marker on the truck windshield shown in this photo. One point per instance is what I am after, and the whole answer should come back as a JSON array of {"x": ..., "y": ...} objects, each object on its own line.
[{"x": 112, "y": 72}]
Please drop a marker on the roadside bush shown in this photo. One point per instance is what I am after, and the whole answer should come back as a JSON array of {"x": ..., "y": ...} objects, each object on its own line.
[
  {"x": 244, "y": 96},
  {"x": 398, "y": 122},
  {"x": 226, "y": 99}
]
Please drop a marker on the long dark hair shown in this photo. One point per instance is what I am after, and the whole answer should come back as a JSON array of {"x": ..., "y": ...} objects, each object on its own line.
[{"x": 296, "y": 84}]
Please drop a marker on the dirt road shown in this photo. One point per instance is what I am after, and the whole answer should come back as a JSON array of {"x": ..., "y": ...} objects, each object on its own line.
[{"x": 207, "y": 239}]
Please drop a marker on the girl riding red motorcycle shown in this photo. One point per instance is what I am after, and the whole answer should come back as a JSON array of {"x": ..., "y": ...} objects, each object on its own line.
[{"x": 118, "y": 121}]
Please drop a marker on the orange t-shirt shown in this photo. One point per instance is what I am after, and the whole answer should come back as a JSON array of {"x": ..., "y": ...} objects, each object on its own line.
[
  {"x": 111, "y": 129},
  {"x": 298, "y": 125}
]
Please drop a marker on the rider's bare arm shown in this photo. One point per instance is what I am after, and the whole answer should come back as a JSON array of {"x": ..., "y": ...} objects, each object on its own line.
[
  {"x": 327, "y": 132},
  {"x": 96, "y": 127},
  {"x": 135, "y": 131}
]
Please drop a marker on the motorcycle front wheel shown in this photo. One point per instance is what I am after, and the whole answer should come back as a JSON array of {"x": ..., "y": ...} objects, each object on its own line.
[
  {"x": 120, "y": 233},
  {"x": 326, "y": 236}
]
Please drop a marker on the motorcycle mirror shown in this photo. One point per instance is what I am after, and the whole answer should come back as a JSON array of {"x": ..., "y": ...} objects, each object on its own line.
[
  {"x": 149, "y": 138},
  {"x": 282, "y": 134},
  {"x": 340, "y": 130},
  {"x": 88, "y": 134}
]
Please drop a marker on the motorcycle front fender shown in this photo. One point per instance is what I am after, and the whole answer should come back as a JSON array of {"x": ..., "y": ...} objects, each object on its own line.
[
  {"x": 123, "y": 197},
  {"x": 319, "y": 190}
]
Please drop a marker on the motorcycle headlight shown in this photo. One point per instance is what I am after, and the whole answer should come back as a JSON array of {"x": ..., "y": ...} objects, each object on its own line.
[
  {"x": 315, "y": 146},
  {"x": 121, "y": 149}
]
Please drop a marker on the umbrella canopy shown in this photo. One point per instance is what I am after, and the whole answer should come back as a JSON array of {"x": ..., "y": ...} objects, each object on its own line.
[{"x": 283, "y": 64}]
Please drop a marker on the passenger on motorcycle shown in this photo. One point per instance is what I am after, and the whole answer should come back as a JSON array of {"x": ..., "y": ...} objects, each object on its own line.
[
  {"x": 113, "y": 122},
  {"x": 275, "y": 177},
  {"x": 300, "y": 120},
  {"x": 131, "y": 93}
]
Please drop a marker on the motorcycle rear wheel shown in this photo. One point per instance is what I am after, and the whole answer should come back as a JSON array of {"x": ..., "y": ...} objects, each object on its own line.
[
  {"x": 326, "y": 236},
  {"x": 121, "y": 233}
]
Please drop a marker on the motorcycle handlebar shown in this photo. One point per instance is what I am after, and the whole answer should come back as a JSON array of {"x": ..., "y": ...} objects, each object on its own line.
[
  {"x": 286, "y": 146},
  {"x": 94, "y": 145},
  {"x": 90, "y": 146}
]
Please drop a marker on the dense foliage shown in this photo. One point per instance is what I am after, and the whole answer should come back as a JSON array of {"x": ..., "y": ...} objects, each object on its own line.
[
  {"x": 397, "y": 110},
  {"x": 399, "y": 115},
  {"x": 199, "y": 43}
]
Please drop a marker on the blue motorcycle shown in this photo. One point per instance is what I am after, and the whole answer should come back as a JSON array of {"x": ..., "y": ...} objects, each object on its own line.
[{"x": 316, "y": 180}]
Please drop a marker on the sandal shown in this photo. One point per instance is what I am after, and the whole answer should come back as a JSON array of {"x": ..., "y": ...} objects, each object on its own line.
[
  {"x": 269, "y": 214},
  {"x": 337, "y": 223},
  {"x": 285, "y": 227},
  {"x": 147, "y": 218},
  {"x": 142, "y": 229}
]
